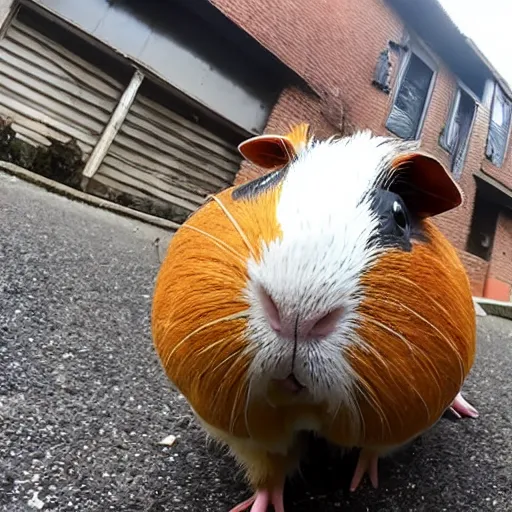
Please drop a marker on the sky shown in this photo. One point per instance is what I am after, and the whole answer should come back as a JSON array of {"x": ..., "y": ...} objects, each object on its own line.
[{"x": 488, "y": 24}]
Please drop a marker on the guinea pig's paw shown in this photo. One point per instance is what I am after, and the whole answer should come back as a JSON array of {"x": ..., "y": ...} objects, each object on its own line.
[
  {"x": 261, "y": 501},
  {"x": 368, "y": 462},
  {"x": 462, "y": 408}
]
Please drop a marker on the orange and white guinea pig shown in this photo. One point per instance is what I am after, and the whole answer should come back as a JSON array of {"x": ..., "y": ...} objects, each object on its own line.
[{"x": 319, "y": 297}]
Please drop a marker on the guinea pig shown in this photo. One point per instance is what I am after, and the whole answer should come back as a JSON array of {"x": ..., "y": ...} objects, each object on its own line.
[{"x": 318, "y": 297}]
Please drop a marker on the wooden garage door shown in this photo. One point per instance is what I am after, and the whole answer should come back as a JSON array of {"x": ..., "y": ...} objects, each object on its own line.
[
  {"x": 160, "y": 155},
  {"x": 48, "y": 92}
]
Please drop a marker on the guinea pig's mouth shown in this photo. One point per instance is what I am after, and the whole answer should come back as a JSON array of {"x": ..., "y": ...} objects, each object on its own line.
[{"x": 290, "y": 384}]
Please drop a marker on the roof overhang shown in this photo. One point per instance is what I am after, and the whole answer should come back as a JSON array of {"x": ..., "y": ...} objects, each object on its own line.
[
  {"x": 241, "y": 39},
  {"x": 498, "y": 77},
  {"x": 431, "y": 22},
  {"x": 493, "y": 190}
]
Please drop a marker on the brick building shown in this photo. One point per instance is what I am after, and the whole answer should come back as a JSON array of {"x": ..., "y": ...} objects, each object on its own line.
[
  {"x": 150, "y": 99},
  {"x": 401, "y": 68}
]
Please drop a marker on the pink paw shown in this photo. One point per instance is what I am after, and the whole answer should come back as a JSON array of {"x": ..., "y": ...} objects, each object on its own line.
[
  {"x": 461, "y": 408},
  {"x": 368, "y": 463},
  {"x": 261, "y": 501}
]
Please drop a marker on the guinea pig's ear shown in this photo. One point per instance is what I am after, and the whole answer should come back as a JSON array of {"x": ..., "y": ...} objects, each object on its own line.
[
  {"x": 425, "y": 185},
  {"x": 268, "y": 151}
]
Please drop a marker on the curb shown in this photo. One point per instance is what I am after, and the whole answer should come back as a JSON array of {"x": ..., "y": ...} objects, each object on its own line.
[
  {"x": 479, "y": 310},
  {"x": 494, "y": 307},
  {"x": 483, "y": 307},
  {"x": 77, "y": 195}
]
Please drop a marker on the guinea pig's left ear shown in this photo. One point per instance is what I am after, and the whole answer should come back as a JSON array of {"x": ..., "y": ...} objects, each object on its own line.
[
  {"x": 268, "y": 151},
  {"x": 425, "y": 184}
]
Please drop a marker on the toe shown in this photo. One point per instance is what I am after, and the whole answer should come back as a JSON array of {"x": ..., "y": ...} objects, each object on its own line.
[
  {"x": 261, "y": 501},
  {"x": 277, "y": 500},
  {"x": 242, "y": 507},
  {"x": 367, "y": 463},
  {"x": 464, "y": 408}
]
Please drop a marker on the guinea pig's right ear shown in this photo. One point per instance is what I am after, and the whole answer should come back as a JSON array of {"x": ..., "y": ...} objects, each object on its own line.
[
  {"x": 268, "y": 151},
  {"x": 425, "y": 184}
]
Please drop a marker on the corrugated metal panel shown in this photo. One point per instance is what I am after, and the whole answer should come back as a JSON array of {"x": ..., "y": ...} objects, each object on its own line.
[
  {"x": 49, "y": 92},
  {"x": 159, "y": 154}
]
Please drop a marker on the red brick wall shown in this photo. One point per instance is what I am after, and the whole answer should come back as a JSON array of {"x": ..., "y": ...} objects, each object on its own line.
[
  {"x": 477, "y": 271},
  {"x": 456, "y": 224},
  {"x": 331, "y": 44},
  {"x": 334, "y": 46},
  {"x": 501, "y": 267},
  {"x": 293, "y": 106}
]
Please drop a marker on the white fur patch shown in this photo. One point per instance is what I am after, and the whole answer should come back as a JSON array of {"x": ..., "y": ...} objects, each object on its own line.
[{"x": 326, "y": 219}]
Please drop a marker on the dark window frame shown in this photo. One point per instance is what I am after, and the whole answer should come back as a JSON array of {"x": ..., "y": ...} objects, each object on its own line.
[
  {"x": 416, "y": 48},
  {"x": 492, "y": 157},
  {"x": 446, "y": 139}
]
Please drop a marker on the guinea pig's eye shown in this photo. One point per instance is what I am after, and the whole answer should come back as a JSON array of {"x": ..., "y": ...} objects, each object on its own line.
[{"x": 400, "y": 215}]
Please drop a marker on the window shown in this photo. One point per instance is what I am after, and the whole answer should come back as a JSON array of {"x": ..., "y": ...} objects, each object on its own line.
[
  {"x": 455, "y": 138},
  {"x": 499, "y": 127},
  {"x": 409, "y": 106}
]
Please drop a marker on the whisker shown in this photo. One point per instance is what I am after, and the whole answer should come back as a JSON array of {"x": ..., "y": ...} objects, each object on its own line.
[
  {"x": 212, "y": 346},
  {"x": 228, "y": 318},
  {"x": 387, "y": 365},
  {"x": 236, "y": 353},
  {"x": 246, "y": 407},
  {"x": 418, "y": 287},
  {"x": 368, "y": 395},
  {"x": 217, "y": 241},
  {"x": 238, "y": 395},
  {"x": 373, "y": 401},
  {"x": 413, "y": 349},
  {"x": 450, "y": 342},
  {"x": 235, "y": 224},
  {"x": 361, "y": 422},
  {"x": 233, "y": 415},
  {"x": 402, "y": 338},
  {"x": 355, "y": 410}
]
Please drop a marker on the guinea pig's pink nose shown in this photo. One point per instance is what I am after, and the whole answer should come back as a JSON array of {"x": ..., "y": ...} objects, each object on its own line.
[{"x": 299, "y": 326}]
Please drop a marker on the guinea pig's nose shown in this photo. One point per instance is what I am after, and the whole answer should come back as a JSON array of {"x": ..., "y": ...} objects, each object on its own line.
[{"x": 297, "y": 325}]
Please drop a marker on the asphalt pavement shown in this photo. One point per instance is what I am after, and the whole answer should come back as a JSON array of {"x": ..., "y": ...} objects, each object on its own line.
[{"x": 84, "y": 402}]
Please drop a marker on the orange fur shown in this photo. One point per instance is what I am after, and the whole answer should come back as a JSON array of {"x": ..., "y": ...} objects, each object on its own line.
[
  {"x": 420, "y": 330},
  {"x": 198, "y": 328},
  {"x": 418, "y": 325},
  {"x": 299, "y": 136},
  {"x": 201, "y": 282}
]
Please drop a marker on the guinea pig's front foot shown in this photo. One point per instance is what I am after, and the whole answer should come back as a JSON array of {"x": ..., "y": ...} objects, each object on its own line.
[
  {"x": 368, "y": 463},
  {"x": 460, "y": 407},
  {"x": 261, "y": 501}
]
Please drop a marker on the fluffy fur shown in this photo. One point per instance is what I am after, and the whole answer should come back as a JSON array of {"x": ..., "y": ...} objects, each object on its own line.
[{"x": 399, "y": 353}]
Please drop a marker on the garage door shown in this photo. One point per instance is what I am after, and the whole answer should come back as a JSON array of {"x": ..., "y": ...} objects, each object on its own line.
[
  {"x": 49, "y": 93},
  {"x": 161, "y": 156}
]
